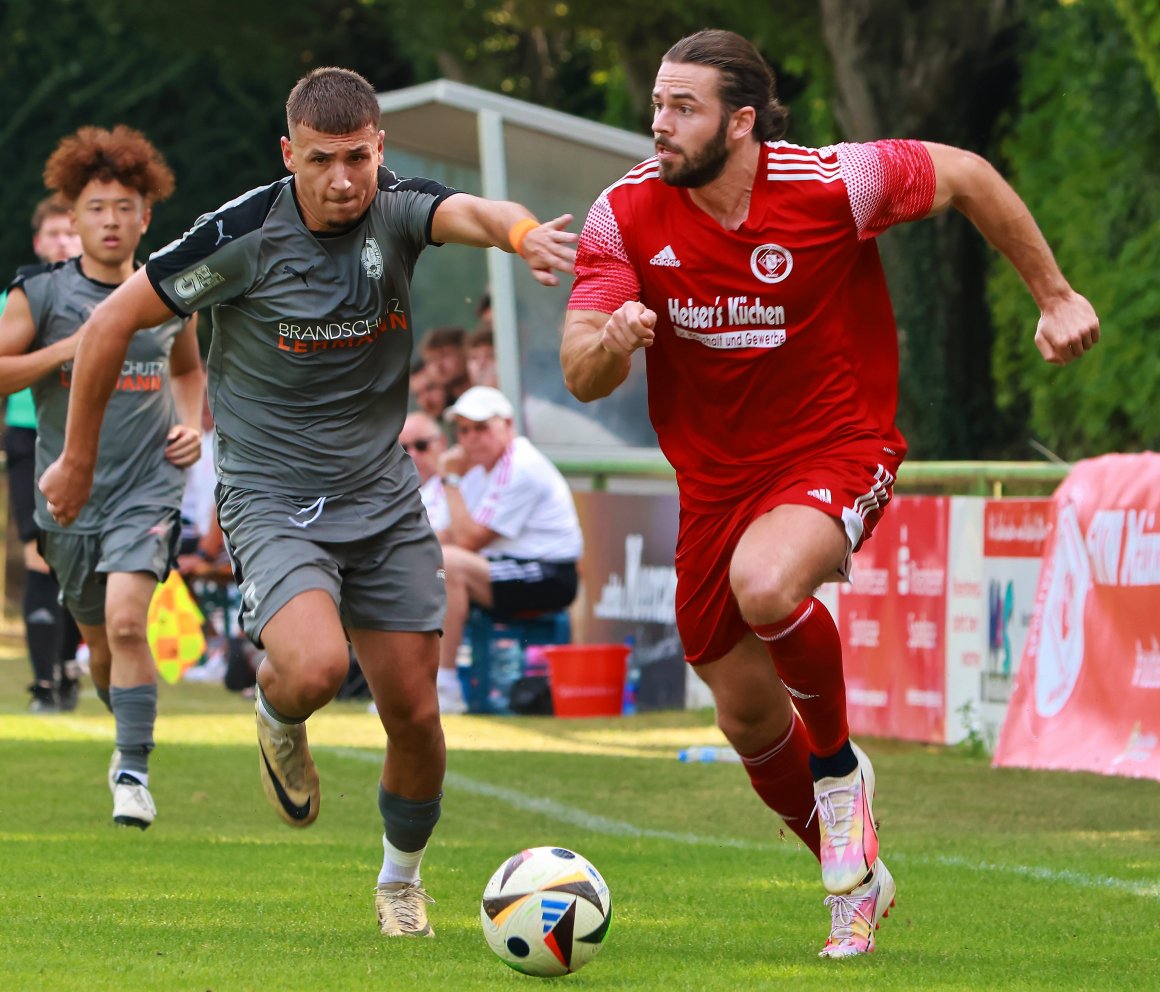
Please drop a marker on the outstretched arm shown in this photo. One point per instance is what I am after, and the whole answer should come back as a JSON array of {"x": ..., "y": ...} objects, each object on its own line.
[
  {"x": 1068, "y": 325},
  {"x": 471, "y": 220},
  {"x": 104, "y": 340}
]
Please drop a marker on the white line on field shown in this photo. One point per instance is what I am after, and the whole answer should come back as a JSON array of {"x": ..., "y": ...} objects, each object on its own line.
[{"x": 619, "y": 828}]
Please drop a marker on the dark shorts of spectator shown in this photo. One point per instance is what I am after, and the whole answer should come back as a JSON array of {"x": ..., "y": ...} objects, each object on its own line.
[
  {"x": 20, "y": 449},
  {"x": 522, "y": 586}
]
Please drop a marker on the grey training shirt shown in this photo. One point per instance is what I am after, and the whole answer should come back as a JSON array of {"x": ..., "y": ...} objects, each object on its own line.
[
  {"x": 131, "y": 468},
  {"x": 309, "y": 360}
]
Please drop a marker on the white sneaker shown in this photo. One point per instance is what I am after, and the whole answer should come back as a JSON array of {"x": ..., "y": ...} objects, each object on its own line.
[
  {"x": 451, "y": 701},
  {"x": 132, "y": 804},
  {"x": 114, "y": 769},
  {"x": 213, "y": 669},
  {"x": 402, "y": 909}
]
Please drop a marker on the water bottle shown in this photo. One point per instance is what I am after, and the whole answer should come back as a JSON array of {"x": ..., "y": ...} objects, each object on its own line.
[
  {"x": 692, "y": 755},
  {"x": 507, "y": 665},
  {"x": 631, "y": 679},
  {"x": 535, "y": 661}
]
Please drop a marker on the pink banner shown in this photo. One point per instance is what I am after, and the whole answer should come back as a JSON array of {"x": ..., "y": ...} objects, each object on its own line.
[
  {"x": 893, "y": 624},
  {"x": 1087, "y": 694}
]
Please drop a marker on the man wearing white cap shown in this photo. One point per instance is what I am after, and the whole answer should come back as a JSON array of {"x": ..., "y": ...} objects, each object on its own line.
[{"x": 513, "y": 538}]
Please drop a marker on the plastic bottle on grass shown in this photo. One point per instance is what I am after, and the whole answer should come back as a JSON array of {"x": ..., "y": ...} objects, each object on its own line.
[{"x": 697, "y": 755}]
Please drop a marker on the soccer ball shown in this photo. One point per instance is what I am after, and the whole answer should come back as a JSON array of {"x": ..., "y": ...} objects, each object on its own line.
[{"x": 546, "y": 911}]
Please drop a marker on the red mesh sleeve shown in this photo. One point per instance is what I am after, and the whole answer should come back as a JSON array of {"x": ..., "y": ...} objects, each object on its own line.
[
  {"x": 888, "y": 182},
  {"x": 605, "y": 278}
]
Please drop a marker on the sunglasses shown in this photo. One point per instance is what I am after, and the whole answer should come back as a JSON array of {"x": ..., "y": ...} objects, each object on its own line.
[{"x": 420, "y": 444}]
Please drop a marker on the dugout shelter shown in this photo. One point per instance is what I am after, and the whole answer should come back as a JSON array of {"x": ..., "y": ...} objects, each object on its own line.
[{"x": 554, "y": 163}]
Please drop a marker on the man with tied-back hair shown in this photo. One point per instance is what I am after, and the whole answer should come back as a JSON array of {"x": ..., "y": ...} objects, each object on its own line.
[
  {"x": 746, "y": 268},
  {"x": 309, "y": 280},
  {"x": 109, "y": 561}
]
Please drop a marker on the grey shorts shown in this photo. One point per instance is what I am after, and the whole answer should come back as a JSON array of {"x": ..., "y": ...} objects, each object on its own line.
[
  {"x": 383, "y": 567},
  {"x": 140, "y": 539}
]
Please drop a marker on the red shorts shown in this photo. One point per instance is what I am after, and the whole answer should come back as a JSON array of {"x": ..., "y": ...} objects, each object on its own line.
[{"x": 848, "y": 485}]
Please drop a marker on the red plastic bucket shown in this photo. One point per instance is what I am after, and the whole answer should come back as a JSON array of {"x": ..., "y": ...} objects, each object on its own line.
[{"x": 587, "y": 679}]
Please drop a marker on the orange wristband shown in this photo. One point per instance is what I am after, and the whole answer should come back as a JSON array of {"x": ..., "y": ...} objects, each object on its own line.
[{"x": 519, "y": 231}]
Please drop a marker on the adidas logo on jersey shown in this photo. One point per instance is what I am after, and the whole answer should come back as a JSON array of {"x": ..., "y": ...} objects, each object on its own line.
[
  {"x": 821, "y": 495},
  {"x": 666, "y": 256}
]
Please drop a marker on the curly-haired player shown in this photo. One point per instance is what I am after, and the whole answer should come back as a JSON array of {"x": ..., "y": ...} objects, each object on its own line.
[{"x": 109, "y": 562}]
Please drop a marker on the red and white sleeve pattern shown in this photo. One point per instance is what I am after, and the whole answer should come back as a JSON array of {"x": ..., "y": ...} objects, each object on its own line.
[
  {"x": 605, "y": 278},
  {"x": 888, "y": 182}
]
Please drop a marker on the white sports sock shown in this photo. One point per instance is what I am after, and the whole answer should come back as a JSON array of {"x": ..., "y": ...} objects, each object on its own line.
[
  {"x": 448, "y": 678},
  {"x": 271, "y": 718},
  {"x": 400, "y": 866}
]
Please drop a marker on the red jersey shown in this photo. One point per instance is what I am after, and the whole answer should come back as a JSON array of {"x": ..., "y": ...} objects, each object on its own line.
[{"x": 774, "y": 341}]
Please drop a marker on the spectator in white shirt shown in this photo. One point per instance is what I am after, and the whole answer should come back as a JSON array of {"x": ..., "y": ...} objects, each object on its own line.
[{"x": 513, "y": 537}]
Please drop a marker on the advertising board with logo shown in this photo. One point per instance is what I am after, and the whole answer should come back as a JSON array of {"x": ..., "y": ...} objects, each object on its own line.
[
  {"x": 996, "y": 550},
  {"x": 1087, "y": 694},
  {"x": 892, "y": 619}
]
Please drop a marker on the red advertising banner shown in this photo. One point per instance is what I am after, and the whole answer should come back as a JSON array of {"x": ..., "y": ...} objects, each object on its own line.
[
  {"x": 893, "y": 624},
  {"x": 1087, "y": 693}
]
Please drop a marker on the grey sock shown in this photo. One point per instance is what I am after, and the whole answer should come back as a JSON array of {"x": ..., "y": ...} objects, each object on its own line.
[
  {"x": 409, "y": 823},
  {"x": 135, "y": 710},
  {"x": 103, "y": 696}
]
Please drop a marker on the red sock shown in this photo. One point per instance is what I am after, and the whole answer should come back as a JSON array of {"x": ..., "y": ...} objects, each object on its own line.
[
  {"x": 807, "y": 654},
  {"x": 781, "y": 775}
]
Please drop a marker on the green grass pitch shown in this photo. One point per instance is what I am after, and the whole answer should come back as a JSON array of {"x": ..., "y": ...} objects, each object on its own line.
[{"x": 1006, "y": 879}]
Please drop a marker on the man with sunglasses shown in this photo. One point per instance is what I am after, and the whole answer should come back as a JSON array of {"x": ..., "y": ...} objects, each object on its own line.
[
  {"x": 513, "y": 538},
  {"x": 422, "y": 439}
]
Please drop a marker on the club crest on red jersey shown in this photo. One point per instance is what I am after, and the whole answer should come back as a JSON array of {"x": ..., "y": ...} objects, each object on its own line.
[{"x": 771, "y": 263}]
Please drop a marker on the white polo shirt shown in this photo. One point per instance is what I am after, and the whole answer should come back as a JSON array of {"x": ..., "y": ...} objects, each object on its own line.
[{"x": 525, "y": 500}]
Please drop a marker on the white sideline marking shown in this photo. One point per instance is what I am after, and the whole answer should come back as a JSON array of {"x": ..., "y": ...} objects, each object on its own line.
[
  {"x": 1147, "y": 890},
  {"x": 569, "y": 814},
  {"x": 619, "y": 828}
]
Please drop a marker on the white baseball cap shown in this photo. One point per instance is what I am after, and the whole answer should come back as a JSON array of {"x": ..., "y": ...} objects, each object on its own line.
[{"x": 480, "y": 403}]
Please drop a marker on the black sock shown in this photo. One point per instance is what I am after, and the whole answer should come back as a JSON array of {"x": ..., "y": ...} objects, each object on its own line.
[
  {"x": 841, "y": 762},
  {"x": 42, "y": 624}
]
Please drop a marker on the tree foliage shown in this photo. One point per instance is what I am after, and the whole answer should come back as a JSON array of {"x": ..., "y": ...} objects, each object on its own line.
[
  {"x": 597, "y": 59},
  {"x": 939, "y": 72},
  {"x": 1143, "y": 20},
  {"x": 1083, "y": 146},
  {"x": 205, "y": 85}
]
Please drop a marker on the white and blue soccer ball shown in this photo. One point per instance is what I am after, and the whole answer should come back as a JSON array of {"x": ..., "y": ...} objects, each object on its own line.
[{"x": 546, "y": 911}]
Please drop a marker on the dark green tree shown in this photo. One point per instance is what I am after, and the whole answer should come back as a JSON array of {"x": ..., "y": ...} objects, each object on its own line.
[
  {"x": 206, "y": 85},
  {"x": 940, "y": 72},
  {"x": 1083, "y": 146},
  {"x": 1142, "y": 18}
]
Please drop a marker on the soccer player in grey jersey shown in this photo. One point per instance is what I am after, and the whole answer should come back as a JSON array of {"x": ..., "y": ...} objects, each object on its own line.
[
  {"x": 110, "y": 561},
  {"x": 309, "y": 279}
]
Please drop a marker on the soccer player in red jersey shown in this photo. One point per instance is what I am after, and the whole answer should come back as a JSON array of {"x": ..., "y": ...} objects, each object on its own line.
[{"x": 746, "y": 268}]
